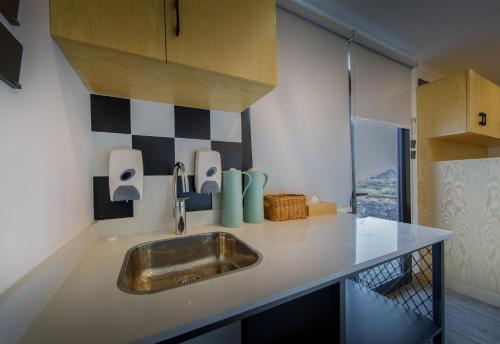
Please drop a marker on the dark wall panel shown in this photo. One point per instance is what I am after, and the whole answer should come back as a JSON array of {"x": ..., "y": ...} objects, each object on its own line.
[
  {"x": 246, "y": 140},
  {"x": 10, "y": 9},
  {"x": 11, "y": 53}
]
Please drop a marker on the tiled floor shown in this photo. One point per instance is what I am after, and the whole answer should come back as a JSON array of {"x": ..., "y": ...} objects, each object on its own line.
[{"x": 470, "y": 321}]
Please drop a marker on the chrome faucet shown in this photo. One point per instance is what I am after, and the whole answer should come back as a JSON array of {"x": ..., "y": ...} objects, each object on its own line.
[{"x": 180, "y": 203}]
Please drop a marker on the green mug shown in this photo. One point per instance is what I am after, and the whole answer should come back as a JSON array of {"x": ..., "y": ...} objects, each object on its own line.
[
  {"x": 232, "y": 197},
  {"x": 253, "y": 201}
]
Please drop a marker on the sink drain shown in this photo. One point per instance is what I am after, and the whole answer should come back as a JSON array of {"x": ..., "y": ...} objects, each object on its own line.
[{"x": 188, "y": 279}]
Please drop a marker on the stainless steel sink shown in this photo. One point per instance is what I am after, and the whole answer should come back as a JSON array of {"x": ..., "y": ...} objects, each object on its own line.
[{"x": 165, "y": 264}]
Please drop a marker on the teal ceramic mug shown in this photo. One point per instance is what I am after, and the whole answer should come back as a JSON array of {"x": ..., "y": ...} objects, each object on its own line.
[
  {"x": 232, "y": 197},
  {"x": 253, "y": 202}
]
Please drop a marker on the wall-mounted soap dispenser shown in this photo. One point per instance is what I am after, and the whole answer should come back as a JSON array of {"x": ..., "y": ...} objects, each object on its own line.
[
  {"x": 125, "y": 175},
  {"x": 208, "y": 172}
]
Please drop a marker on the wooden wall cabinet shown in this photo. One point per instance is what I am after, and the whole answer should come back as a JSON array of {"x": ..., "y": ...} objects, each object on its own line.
[
  {"x": 457, "y": 185},
  {"x": 463, "y": 108},
  {"x": 213, "y": 54}
]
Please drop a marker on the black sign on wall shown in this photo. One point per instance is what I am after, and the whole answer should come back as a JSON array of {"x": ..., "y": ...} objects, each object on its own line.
[
  {"x": 9, "y": 9},
  {"x": 11, "y": 53}
]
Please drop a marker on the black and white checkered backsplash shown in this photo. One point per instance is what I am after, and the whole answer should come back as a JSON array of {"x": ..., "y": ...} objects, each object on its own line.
[{"x": 165, "y": 134}]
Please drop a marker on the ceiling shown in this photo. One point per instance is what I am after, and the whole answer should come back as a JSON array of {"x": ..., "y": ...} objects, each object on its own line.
[{"x": 444, "y": 35}]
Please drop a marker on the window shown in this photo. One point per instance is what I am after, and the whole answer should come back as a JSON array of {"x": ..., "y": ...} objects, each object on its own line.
[{"x": 376, "y": 164}]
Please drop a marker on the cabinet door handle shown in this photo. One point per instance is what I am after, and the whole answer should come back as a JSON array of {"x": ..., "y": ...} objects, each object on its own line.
[
  {"x": 177, "y": 19},
  {"x": 483, "y": 118}
]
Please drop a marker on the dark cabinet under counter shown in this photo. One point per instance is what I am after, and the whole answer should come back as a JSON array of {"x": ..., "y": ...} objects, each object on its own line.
[{"x": 314, "y": 317}]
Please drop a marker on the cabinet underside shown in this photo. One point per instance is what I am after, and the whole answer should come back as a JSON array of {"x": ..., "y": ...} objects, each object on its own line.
[{"x": 109, "y": 72}]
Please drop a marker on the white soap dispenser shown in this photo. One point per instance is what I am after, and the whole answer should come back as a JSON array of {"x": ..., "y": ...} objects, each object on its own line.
[
  {"x": 207, "y": 172},
  {"x": 125, "y": 175}
]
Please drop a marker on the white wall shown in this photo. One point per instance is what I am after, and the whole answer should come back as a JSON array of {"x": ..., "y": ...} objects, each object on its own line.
[
  {"x": 300, "y": 131},
  {"x": 45, "y": 151}
]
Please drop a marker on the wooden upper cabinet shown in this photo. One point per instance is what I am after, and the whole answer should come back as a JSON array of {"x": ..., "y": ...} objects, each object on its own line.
[
  {"x": 131, "y": 26},
  {"x": 463, "y": 108},
  {"x": 484, "y": 102},
  {"x": 232, "y": 37},
  {"x": 224, "y": 57},
  {"x": 445, "y": 102}
]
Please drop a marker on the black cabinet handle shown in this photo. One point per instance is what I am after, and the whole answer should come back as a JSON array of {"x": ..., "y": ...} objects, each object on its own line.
[
  {"x": 483, "y": 118},
  {"x": 178, "y": 20}
]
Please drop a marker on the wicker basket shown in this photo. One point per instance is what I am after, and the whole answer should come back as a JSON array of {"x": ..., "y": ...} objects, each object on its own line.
[{"x": 285, "y": 207}]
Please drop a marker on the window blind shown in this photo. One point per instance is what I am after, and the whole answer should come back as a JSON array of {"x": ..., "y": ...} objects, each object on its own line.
[{"x": 381, "y": 88}]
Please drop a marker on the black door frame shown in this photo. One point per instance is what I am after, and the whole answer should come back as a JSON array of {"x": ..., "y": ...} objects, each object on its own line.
[{"x": 404, "y": 175}]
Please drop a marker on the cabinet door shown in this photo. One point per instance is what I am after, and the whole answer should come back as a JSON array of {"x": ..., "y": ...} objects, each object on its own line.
[
  {"x": 132, "y": 26},
  {"x": 444, "y": 103},
  {"x": 484, "y": 97},
  {"x": 232, "y": 37}
]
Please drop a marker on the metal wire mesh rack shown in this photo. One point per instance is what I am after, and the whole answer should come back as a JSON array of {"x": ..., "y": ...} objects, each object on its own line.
[
  {"x": 406, "y": 280},
  {"x": 404, "y": 290}
]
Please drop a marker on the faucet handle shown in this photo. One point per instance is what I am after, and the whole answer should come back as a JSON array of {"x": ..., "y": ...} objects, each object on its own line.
[
  {"x": 184, "y": 182},
  {"x": 180, "y": 171}
]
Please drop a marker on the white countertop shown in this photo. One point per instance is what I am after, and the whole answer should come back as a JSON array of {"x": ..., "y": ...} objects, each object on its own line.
[{"x": 296, "y": 256}]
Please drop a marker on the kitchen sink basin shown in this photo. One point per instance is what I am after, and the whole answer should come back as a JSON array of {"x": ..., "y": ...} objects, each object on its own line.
[{"x": 166, "y": 264}]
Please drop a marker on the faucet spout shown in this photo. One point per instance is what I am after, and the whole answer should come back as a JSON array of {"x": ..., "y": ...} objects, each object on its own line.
[{"x": 179, "y": 211}]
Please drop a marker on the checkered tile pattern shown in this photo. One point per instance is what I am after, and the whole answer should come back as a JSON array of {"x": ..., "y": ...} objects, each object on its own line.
[{"x": 165, "y": 134}]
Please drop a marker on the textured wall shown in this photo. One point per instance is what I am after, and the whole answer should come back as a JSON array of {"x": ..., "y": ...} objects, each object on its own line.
[{"x": 464, "y": 196}]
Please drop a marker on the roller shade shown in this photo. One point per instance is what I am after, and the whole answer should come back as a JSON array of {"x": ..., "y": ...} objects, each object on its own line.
[
  {"x": 381, "y": 88},
  {"x": 304, "y": 120}
]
